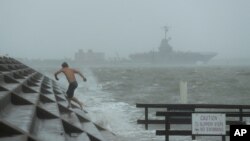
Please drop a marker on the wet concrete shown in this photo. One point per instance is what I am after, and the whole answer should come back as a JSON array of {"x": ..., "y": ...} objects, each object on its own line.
[
  {"x": 20, "y": 116},
  {"x": 33, "y": 107}
]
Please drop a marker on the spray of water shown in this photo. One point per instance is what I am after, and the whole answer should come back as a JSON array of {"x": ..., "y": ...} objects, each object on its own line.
[{"x": 116, "y": 116}]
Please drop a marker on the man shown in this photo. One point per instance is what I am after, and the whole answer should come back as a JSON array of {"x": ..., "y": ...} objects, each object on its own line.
[{"x": 70, "y": 75}]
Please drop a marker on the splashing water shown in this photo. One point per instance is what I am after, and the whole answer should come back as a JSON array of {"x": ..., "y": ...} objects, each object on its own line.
[{"x": 118, "y": 117}]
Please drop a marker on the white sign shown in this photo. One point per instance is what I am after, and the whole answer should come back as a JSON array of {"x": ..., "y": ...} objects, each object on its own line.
[{"x": 208, "y": 124}]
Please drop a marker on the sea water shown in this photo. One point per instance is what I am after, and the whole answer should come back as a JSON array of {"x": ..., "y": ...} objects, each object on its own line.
[{"x": 111, "y": 93}]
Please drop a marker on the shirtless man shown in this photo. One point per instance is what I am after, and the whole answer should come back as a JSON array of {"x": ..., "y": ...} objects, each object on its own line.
[{"x": 70, "y": 75}]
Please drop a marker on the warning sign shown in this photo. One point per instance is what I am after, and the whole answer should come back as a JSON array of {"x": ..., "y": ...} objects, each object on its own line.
[{"x": 208, "y": 124}]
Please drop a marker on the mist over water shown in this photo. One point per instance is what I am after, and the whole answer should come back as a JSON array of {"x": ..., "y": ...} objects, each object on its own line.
[{"x": 59, "y": 28}]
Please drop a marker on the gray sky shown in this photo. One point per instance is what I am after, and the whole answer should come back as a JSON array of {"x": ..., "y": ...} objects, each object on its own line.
[{"x": 58, "y": 28}]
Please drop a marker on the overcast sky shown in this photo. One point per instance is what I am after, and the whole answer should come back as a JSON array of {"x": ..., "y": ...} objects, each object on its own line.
[{"x": 58, "y": 28}]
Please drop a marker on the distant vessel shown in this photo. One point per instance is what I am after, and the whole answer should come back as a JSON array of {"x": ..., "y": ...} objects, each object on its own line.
[
  {"x": 89, "y": 57},
  {"x": 166, "y": 55}
]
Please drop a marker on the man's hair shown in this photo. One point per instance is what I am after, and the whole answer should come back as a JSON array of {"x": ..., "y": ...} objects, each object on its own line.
[{"x": 65, "y": 65}]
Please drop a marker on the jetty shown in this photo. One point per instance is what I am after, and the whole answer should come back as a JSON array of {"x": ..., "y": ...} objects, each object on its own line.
[{"x": 33, "y": 107}]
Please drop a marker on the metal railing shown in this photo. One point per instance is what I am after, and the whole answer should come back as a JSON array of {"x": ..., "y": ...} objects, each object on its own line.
[{"x": 181, "y": 114}]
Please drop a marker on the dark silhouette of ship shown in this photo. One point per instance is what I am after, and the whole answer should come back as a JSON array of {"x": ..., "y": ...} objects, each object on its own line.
[{"x": 166, "y": 55}]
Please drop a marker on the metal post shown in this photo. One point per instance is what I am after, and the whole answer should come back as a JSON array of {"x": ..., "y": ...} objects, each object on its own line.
[
  {"x": 224, "y": 138},
  {"x": 193, "y": 137},
  {"x": 241, "y": 118},
  {"x": 146, "y": 118},
  {"x": 167, "y": 127}
]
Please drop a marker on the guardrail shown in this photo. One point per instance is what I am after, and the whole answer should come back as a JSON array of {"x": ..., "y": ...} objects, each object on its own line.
[{"x": 182, "y": 114}]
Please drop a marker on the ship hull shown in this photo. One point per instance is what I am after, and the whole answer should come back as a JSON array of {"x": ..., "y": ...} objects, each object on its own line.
[{"x": 172, "y": 58}]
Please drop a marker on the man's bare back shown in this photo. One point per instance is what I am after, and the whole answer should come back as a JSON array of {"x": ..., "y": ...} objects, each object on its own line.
[{"x": 70, "y": 74}]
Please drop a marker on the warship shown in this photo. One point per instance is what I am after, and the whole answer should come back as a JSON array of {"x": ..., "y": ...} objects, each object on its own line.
[{"x": 166, "y": 55}]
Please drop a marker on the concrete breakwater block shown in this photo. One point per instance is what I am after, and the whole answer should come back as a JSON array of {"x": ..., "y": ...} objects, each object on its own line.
[{"x": 33, "y": 107}]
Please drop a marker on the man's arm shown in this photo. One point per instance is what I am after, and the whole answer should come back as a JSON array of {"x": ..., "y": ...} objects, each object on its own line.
[
  {"x": 56, "y": 73},
  {"x": 78, "y": 72}
]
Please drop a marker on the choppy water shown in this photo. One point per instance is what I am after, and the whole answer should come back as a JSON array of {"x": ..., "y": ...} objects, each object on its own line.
[
  {"x": 111, "y": 93},
  {"x": 221, "y": 85}
]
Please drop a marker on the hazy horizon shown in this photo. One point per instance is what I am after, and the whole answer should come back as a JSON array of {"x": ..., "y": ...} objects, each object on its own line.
[{"x": 59, "y": 28}]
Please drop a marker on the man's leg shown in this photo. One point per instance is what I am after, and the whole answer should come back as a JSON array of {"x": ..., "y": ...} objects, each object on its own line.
[
  {"x": 77, "y": 101},
  {"x": 69, "y": 103}
]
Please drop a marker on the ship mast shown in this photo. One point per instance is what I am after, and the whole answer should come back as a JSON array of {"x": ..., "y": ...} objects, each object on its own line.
[{"x": 166, "y": 30}]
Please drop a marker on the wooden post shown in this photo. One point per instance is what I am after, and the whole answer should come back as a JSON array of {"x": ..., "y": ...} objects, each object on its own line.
[{"x": 183, "y": 92}]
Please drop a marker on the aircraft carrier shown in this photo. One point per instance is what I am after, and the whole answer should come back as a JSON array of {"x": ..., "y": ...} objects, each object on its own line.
[{"x": 166, "y": 55}]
